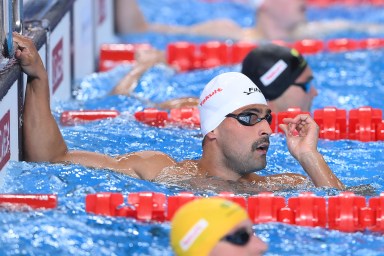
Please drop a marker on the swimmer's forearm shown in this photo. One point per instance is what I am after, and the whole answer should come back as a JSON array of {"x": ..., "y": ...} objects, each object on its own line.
[
  {"x": 319, "y": 171},
  {"x": 129, "y": 81}
]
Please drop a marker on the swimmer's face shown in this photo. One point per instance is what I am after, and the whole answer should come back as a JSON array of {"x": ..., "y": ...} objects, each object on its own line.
[
  {"x": 288, "y": 13},
  {"x": 244, "y": 147}
]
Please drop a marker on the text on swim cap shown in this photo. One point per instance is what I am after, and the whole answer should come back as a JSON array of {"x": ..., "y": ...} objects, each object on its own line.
[
  {"x": 210, "y": 95},
  {"x": 196, "y": 230},
  {"x": 252, "y": 90},
  {"x": 273, "y": 72}
]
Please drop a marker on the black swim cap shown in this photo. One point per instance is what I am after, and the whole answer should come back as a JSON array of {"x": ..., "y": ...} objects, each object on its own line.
[{"x": 273, "y": 68}]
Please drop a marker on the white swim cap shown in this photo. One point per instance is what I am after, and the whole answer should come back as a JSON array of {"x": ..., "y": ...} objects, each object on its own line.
[{"x": 224, "y": 94}]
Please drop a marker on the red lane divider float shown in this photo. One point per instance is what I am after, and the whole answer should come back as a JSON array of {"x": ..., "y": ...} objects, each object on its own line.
[
  {"x": 363, "y": 124},
  {"x": 186, "y": 56},
  {"x": 34, "y": 201},
  {"x": 332, "y": 122},
  {"x": 187, "y": 117},
  {"x": 73, "y": 117},
  {"x": 355, "y": 3},
  {"x": 112, "y": 55},
  {"x": 321, "y": 3},
  {"x": 345, "y": 212},
  {"x": 309, "y": 46}
]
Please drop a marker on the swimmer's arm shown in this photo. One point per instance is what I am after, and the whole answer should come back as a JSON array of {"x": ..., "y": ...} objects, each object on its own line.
[
  {"x": 144, "y": 164},
  {"x": 318, "y": 170},
  {"x": 304, "y": 148},
  {"x": 129, "y": 81},
  {"x": 129, "y": 18},
  {"x": 185, "y": 102},
  {"x": 42, "y": 139},
  {"x": 145, "y": 59}
]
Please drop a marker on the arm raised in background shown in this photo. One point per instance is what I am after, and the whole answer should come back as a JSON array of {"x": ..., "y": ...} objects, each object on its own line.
[
  {"x": 145, "y": 59},
  {"x": 42, "y": 138},
  {"x": 303, "y": 147}
]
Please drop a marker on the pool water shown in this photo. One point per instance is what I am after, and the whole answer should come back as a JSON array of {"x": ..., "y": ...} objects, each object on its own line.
[{"x": 345, "y": 80}]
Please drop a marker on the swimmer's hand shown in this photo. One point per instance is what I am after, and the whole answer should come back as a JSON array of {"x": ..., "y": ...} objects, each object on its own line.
[
  {"x": 28, "y": 56},
  {"x": 302, "y": 134}
]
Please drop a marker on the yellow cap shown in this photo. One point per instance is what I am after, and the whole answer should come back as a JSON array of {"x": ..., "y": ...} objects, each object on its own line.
[{"x": 198, "y": 225}]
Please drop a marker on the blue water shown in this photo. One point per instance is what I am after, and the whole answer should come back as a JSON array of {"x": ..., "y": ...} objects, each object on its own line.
[{"x": 344, "y": 80}]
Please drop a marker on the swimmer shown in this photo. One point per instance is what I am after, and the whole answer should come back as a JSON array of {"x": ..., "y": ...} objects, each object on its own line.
[
  {"x": 283, "y": 76},
  {"x": 275, "y": 20},
  {"x": 214, "y": 226},
  {"x": 291, "y": 86},
  {"x": 230, "y": 106}
]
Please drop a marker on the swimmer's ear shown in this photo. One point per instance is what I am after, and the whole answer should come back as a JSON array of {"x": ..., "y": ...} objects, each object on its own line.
[{"x": 211, "y": 135}]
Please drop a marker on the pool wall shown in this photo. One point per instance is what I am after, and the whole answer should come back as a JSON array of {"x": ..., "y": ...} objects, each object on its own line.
[{"x": 68, "y": 35}]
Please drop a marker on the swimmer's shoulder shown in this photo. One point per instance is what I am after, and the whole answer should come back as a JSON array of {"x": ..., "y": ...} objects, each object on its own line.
[{"x": 179, "y": 171}]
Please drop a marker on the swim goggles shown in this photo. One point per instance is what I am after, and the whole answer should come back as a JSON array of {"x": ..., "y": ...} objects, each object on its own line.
[
  {"x": 250, "y": 119},
  {"x": 240, "y": 237},
  {"x": 306, "y": 86}
]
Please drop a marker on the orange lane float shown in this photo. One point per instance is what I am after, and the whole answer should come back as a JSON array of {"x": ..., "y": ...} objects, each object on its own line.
[
  {"x": 345, "y": 212},
  {"x": 34, "y": 201}
]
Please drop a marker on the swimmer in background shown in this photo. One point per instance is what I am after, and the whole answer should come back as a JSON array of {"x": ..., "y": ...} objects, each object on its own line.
[
  {"x": 290, "y": 85},
  {"x": 235, "y": 124},
  {"x": 144, "y": 60},
  {"x": 283, "y": 76},
  {"x": 275, "y": 20},
  {"x": 221, "y": 228}
]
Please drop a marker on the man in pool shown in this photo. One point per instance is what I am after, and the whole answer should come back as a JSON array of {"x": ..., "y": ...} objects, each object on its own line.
[
  {"x": 234, "y": 122},
  {"x": 275, "y": 20},
  {"x": 214, "y": 226},
  {"x": 283, "y": 76}
]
